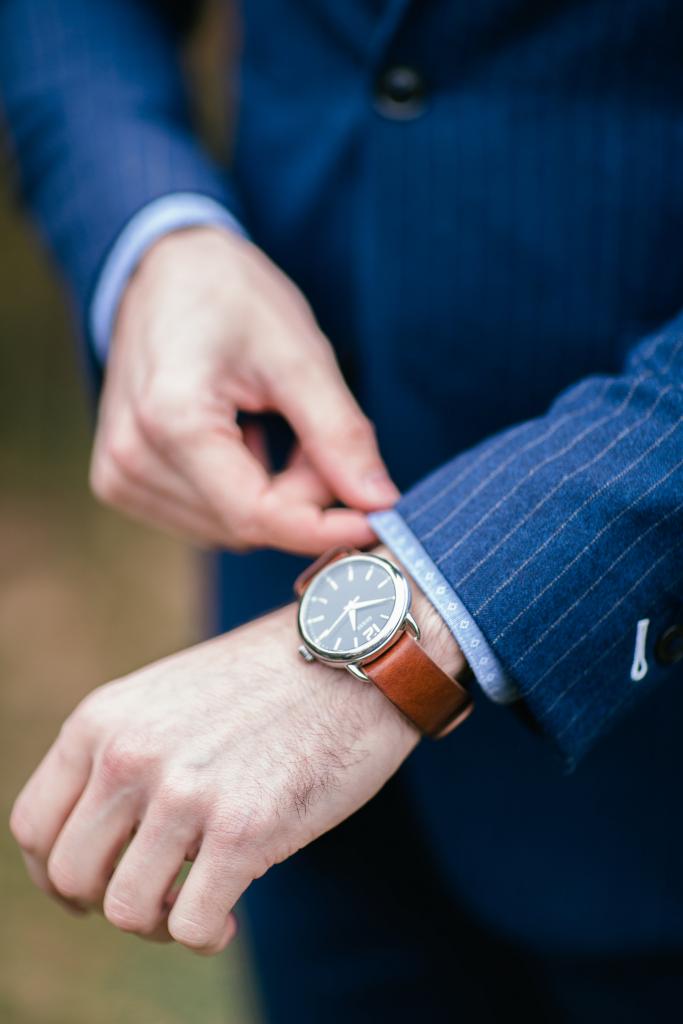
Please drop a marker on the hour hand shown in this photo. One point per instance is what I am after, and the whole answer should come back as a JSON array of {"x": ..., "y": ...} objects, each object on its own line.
[{"x": 377, "y": 600}]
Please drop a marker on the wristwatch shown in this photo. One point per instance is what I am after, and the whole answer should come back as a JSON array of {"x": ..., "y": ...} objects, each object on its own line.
[{"x": 354, "y": 613}]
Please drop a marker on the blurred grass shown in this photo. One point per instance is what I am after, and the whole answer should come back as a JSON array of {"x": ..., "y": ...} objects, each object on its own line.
[{"x": 84, "y": 596}]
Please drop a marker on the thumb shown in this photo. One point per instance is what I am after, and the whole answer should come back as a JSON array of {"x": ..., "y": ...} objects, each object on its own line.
[{"x": 335, "y": 434}]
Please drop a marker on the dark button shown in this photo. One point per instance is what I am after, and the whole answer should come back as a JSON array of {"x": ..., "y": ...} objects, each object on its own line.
[
  {"x": 669, "y": 646},
  {"x": 400, "y": 93}
]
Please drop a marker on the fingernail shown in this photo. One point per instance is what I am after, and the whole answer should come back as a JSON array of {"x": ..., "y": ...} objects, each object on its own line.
[{"x": 380, "y": 486}]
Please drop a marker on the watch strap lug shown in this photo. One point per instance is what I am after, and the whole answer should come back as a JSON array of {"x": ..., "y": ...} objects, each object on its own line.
[
  {"x": 411, "y": 625},
  {"x": 358, "y": 672}
]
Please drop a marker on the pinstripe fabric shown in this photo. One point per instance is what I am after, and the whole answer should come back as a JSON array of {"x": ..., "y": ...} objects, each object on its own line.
[
  {"x": 391, "y": 528},
  {"x": 98, "y": 121},
  {"x": 562, "y": 538}
]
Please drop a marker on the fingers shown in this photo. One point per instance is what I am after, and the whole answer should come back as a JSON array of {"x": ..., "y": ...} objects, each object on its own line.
[
  {"x": 305, "y": 528},
  {"x": 175, "y": 458},
  {"x": 301, "y": 480},
  {"x": 138, "y": 896},
  {"x": 260, "y": 511},
  {"x": 129, "y": 475},
  {"x": 83, "y": 856},
  {"x": 335, "y": 434},
  {"x": 201, "y": 917},
  {"x": 45, "y": 802},
  {"x": 220, "y": 494},
  {"x": 254, "y": 438},
  {"x": 149, "y": 505}
]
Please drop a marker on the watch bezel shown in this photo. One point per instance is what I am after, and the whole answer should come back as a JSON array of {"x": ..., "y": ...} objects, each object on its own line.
[{"x": 372, "y": 648}]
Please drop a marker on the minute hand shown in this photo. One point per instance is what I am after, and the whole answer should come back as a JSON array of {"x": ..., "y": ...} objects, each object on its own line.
[{"x": 377, "y": 600}]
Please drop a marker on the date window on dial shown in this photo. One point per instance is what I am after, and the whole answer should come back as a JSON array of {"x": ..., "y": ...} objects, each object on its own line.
[{"x": 371, "y": 631}]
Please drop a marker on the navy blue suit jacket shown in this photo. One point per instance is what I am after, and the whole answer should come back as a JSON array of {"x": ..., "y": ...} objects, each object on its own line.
[{"x": 501, "y": 273}]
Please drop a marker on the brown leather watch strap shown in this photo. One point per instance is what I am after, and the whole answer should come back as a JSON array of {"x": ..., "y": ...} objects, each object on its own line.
[{"x": 432, "y": 700}]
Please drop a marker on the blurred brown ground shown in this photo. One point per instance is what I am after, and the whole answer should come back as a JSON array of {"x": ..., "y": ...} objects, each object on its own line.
[{"x": 84, "y": 596}]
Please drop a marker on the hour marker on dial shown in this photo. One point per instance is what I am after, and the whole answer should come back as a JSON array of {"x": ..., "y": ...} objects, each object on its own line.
[
  {"x": 350, "y": 574},
  {"x": 336, "y": 644},
  {"x": 383, "y": 582},
  {"x": 369, "y": 572},
  {"x": 318, "y": 618},
  {"x": 332, "y": 583}
]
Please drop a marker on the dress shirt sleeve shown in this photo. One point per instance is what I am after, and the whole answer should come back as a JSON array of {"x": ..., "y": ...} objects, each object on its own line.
[
  {"x": 161, "y": 216},
  {"x": 393, "y": 530}
]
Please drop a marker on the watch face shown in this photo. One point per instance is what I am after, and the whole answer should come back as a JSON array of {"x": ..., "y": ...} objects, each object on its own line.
[{"x": 352, "y": 607}]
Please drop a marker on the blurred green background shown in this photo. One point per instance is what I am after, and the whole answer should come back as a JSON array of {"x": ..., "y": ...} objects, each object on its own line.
[{"x": 84, "y": 596}]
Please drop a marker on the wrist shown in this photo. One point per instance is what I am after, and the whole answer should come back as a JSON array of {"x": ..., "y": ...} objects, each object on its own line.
[
  {"x": 406, "y": 651},
  {"x": 362, "y": 709},
  {"x": 436, "y": 636},
  {"x": 169, "y": 254}
]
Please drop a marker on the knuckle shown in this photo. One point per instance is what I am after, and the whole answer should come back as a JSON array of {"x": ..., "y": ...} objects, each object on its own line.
[
  {"x": 123, "y": 915},
  {"x": 247, "y": 527},
  {"x": 85, "y": 718},
  {"x": 66, "y": 882},
  {"x": 360, "y": 429},
  {"x": 105, "y": 482},
  {"x": 125, "y": 757},
  {"x": 123, "y": 451},
  {"x": 22, "y": 829},
  {"x": 162, "y": 410},
  {"x": 177, "y": 794},
  {"x": 193, "y": 934},
  {"x": 291, "y": 364},
  {"x": 153, "y": 417},
  {"x": 236, "y": 830},
  {"x": 300, "y": 304}
]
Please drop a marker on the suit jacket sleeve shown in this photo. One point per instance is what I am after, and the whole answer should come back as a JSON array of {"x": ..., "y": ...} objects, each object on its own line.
[
  {"x": 561, "y": 534},
  {"x": 98, "y": 121}
]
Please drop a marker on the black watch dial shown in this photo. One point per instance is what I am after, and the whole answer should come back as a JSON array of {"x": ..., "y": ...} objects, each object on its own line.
[{"x": 352, "y": 606}]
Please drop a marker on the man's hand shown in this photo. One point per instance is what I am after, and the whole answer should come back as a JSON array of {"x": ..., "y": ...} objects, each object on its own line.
[
  {"x": 233, "y": 754},
  {"x": 208, "y": 327}
]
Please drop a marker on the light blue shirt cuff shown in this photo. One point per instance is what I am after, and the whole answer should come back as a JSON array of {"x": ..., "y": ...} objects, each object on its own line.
[
  {"x": 390, "y": 527},
  {"x": 158, "y": 218}
]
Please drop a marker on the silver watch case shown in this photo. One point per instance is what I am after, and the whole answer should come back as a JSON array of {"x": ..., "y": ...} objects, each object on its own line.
[{"x": 399, "y": 620}]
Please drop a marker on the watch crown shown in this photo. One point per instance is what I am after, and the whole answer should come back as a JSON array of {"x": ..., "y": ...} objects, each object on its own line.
[{"x": 305, "y": 653}]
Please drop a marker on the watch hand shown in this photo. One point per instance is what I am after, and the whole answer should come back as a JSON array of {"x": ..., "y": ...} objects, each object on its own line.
[
  {"x": 378, "y": 600},
  {"x": 347, "y": 606}
]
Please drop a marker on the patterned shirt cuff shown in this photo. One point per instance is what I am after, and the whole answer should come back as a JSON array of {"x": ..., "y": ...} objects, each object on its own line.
[
  {"x": 392, "y": 530},
  {"x": 158, "y": 218}
]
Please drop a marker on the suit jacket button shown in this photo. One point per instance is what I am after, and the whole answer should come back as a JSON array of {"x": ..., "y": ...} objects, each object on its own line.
[
  {"x": 400, "y": 93},
  {"x": 669, "y": 646}
]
